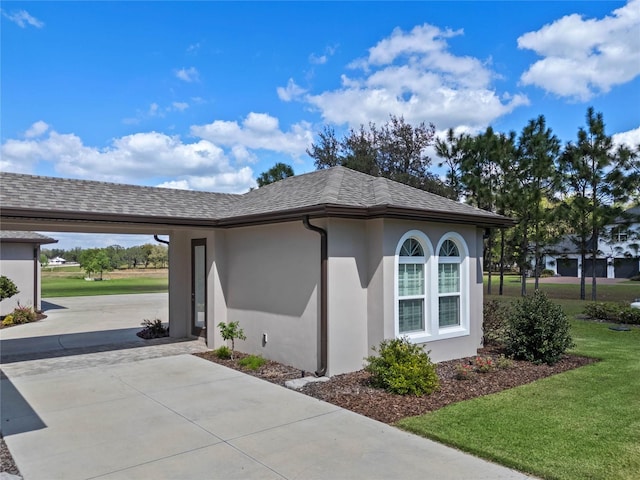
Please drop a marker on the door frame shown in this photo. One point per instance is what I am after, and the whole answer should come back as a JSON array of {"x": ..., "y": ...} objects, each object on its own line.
[{"x": 198, "y": 331}]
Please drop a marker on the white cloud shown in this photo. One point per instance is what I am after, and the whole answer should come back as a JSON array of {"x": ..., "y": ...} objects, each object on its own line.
[
  {"x": 37, "y": 129},
  {"x": 230, "y": 182},
  {"x": 136, "y": 158},
  {"x": 155, "y": 111},
  {"x": 243, "y": 155},
  {"x": 193, "y": 48},
  {"x": 180, "y": 106},
  {"x": 413, "y": 74},
  {"x": 630, "y": 138},
  {"x": 324, "y": 57},
  {"x": 188, "y": 74},
  {"x": 258, "y": 131},
  {"x": 585, "y": 57},
  {"x": 290, "y": 92},
  {"x": 22, "y": 18}
]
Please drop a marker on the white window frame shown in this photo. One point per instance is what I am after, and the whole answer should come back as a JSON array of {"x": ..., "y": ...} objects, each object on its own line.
[
  {"x": 463, "y": 260},
  {"x": 424, "y": 335}
]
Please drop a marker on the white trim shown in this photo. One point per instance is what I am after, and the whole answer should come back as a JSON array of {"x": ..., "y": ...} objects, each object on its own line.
[
  {"x": 427, "y": 247},
  {"x": 463, "y": 261}
]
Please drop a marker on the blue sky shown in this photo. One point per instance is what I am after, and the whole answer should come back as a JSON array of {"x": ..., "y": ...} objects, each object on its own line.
[{"x": 207, "y": 95}]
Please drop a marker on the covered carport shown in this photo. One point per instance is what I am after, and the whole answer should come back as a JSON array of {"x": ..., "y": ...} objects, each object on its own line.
[{"x": 32, "y": 203}]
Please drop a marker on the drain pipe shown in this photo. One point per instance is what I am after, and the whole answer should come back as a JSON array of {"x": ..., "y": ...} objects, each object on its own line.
[
  {"x": 158, "y": 239},
  {"x": 322, "y": 370}
]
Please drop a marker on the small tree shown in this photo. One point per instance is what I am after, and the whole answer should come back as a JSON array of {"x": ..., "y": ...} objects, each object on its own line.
[
  {"x": 7, "y": 288},
  {"x": 231, "y": 331},
  {"x": 95, "y": 260}
]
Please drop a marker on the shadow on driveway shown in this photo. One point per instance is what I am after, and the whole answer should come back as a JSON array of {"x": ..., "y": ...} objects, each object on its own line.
[
  {"x": 53, "y": 346},
  {"x": 17, "y": 414}
]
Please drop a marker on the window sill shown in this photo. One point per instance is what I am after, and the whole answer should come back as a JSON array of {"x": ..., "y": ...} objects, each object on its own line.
[{"x": 443, "y": 334}]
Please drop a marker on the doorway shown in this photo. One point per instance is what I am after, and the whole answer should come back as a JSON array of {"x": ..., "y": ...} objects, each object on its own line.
[{"x": 198, "y": 287}]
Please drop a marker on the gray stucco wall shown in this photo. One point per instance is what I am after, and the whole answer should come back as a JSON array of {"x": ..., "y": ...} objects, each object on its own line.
[
  {"x": 267, "y": 278},
  {"x": 17, "y": 263},
  {"x": 362, "y": 276},
  {"x": 272, "y": 276}
]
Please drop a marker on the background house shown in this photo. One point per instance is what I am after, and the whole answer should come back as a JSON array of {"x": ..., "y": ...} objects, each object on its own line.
[
  {"x": 618, "y": 251},
  {"x": 20, "y": 262}
]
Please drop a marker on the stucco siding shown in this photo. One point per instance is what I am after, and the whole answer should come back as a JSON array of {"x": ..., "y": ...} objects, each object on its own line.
[
  {"x": 272, "y": 281},
  {"x": 17, "y": 263},
  {"x": 348, "y": 284},
  {"x": 449, "y": 348}
]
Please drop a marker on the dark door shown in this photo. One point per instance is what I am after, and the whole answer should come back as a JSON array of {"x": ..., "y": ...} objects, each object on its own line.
[
  {"x": 626, "y": 267},
  {"x": 198, "y": 287},
  {"x": 568, "y": 267},
  {"x": 601, "y": 267}
]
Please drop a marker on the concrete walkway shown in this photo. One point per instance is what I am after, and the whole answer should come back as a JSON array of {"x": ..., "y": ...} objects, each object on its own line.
[{"x": 124, "y": 414}]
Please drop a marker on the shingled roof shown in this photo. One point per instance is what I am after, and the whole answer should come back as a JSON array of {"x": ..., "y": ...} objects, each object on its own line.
[
  {"x": 15, "y": 236},
  {"x": 337, "y": 192}
]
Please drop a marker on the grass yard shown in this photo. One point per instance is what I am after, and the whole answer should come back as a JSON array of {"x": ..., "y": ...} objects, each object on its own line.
[
  {"x": 77, "y": 286},
  {"x": 581, "y": 424}
]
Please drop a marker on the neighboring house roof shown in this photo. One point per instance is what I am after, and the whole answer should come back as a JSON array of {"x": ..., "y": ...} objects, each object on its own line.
[
  {"x": 11, "y": 236},
  {"x": 337, "y": 191}
]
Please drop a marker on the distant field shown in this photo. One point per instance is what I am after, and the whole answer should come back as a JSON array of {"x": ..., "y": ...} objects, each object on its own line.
[
  {"x": 623, "y": 292},
  {"x": 70, "y": 282}
]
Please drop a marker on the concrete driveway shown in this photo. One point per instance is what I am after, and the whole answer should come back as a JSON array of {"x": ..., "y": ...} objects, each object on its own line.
[{"x": 123, "y": 414}]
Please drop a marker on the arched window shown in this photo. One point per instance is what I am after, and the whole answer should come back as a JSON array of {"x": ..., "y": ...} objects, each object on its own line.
[
  {"x": 449, "y": 284},
  {"x": 412, "y": 254}
]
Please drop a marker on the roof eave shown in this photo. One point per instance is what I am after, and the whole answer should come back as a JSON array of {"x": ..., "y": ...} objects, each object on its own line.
[
  {"x": 94, "y": 217},
  {"x": 360, "y": 212}
]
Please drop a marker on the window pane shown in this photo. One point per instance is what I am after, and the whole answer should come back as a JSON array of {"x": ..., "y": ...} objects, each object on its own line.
[
  {"x": 449, "y": 249},
  {"x": 410, "y": 279},
  {"x": 449, "y": 277},
  {"x": 411, "y": 248},
  {"x": 410, "y": 315},
  {"x": 449, "y": 311}
]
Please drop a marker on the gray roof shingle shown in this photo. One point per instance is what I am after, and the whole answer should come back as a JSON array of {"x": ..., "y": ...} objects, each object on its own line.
[
  {"x": 335, "y": 191},
  {"x": 15, "y": 236}
]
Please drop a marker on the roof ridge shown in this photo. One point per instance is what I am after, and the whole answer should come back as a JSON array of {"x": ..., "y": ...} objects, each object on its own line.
[
  {"x": 381, "y": 192},
  {"x": 331, "y": 191}
]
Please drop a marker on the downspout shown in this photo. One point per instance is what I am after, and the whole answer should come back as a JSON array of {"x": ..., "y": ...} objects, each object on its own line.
[
  {"x": 158, "y": 239},
  {"x": 324, "y": 255},
  {"x": 36, "y": 268}
]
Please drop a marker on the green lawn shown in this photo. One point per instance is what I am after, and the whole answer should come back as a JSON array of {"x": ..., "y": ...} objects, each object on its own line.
[
  {"x": 581, "y": 424},
  {"x": 75, "y": 286}
]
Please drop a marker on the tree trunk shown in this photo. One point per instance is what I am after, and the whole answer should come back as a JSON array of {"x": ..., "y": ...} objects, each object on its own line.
[
  {"x": 523, "y": 264},
  {"x": 501, "y": 288},
  {"x": 583, "y": 261},
  {"x": 489, "y": 260}
]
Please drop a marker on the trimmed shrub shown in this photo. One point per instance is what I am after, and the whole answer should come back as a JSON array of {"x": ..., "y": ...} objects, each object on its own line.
[
  {"x": 223, "y": 352},
  {"x": 7, "y": 288},
  {"x": 539, "y": 331},
  {"x": 612, "y": 312},
  {"x": 402, "y": 367},
  {"x": 547, "y": 273},
  {"x": 494, "y": 322}
]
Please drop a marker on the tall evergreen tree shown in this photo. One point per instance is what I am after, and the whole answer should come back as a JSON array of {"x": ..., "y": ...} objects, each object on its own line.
[{"x": 600, "y": 180}]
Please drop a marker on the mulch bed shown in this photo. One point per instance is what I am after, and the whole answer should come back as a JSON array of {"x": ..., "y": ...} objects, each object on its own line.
[{"x": 354, "y": 392}]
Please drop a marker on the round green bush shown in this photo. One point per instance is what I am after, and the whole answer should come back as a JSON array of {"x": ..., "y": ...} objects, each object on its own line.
[
  {"x": 402, "y": 367},
  {"x": 538, "y": 330},
  {"x": 223, "y": 352}
]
